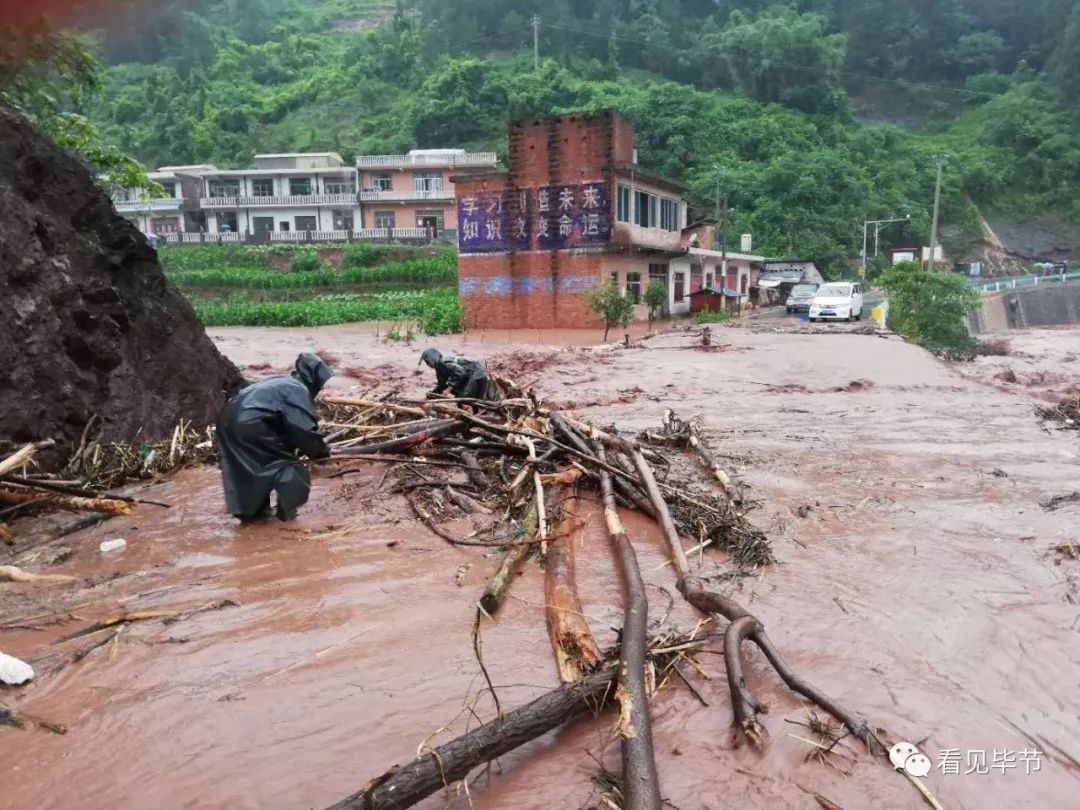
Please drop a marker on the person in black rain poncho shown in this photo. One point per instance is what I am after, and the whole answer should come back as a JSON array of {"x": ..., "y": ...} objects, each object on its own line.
[
  {"x": 466, "y": 379},
  {"x": 259, "y": 433}
]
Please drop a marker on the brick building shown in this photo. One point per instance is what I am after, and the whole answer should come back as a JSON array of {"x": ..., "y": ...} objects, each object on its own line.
[{"x": 573, "y": 210}]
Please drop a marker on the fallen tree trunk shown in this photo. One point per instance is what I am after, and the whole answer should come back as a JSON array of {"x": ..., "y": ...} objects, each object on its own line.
[
  {"x": 694, "y": 591},
  {"x": 575, "y": 649},
  {"x": 511, "y": 562},
  {"x": 641, "y": 784},
  {"x": 108, "y": 506},
  {"x": 404, "y": 785},
  {"x": 78, "y": 492},
  {"x": 438, "y": 428}
]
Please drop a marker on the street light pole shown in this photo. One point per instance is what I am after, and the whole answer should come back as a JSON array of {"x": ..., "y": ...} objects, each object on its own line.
[
  {"x": 878, "y": 225},
  {"x": 940, "y": 160}
]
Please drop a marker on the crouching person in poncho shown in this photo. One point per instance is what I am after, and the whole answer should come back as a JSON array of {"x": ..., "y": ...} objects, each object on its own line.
[
  {"x": 466, "y": 379},
  {"x": 259, "y": 433}
]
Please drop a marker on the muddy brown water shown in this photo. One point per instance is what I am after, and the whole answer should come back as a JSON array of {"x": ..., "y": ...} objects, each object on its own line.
[{"x": 916, "y": 591}]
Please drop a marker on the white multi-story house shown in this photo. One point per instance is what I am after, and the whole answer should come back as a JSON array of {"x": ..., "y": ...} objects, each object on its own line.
[{"x": 312, "y": 196}]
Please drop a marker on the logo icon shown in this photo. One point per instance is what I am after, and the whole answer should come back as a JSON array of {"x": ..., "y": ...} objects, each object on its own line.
[{"x": 906, "y": 757}]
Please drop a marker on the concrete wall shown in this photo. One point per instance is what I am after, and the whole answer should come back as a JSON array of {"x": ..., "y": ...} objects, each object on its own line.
[{"x": 1050, "y": 304}]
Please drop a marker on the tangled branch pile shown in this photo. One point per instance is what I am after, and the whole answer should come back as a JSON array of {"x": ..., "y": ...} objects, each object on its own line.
[
  {"x": 525, "y": 465},
  {"x": 1066, "y": 412}
]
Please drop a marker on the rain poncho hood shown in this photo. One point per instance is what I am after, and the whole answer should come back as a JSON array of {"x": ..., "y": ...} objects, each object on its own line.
[
  {"x": 465, "y": 378},
  {"x": 259, "y": 434},
  {"x": 312, "y": 371}
]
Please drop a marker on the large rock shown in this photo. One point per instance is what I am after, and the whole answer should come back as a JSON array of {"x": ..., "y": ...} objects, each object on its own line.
[{"x": 88, "y": 322}]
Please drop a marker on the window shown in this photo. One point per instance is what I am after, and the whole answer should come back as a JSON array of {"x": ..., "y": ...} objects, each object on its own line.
[
  {"x": 224, "y": 188},
  {"x": 262, "y": 224},
  {"x": 624, "y": 204},
  {"x": 669, "y": 215},
  {"x": 708, "y": 280},
  {"x": 168, "y": 187},
  {"x": 633, "y": 286},
  {"x": 679, "y": 287},
  {"x": 306, "y": 224},
  {"x": 300, "y": 186},
  {"x": 658, "y": 272},
  {"x": 262, "y": 188},
  {"x": 343, "y": 220},
  {"x": 384, "y": 219},
  {"x": 338, "y": 185},
  {"x": 645, "y": 209},
  {"x": 164, "y": 225},
  {"x": 744, "y": 282},
  {"x": 284, "y": 226},
  {"x": 427, "y": 181},
  {"x": 382, "y": 182},
  {"x": 227, "y": 222}
]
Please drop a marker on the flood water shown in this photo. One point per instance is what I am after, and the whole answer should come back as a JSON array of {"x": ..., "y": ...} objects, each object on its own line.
[{"x": 917, "y": 591}]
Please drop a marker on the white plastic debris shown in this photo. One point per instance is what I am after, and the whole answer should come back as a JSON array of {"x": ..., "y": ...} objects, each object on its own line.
[
  {"x": 13, "y": 671},
  {"x": 113, "y": 545}
]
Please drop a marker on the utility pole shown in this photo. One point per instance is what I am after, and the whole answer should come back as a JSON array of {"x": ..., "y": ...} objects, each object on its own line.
[
  {"x": 536, "y": 42},
  {"x": 940, "y": 160}
]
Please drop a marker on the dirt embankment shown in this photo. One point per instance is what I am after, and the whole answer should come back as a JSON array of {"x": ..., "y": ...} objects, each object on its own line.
[{"x": 90, "y": 324}]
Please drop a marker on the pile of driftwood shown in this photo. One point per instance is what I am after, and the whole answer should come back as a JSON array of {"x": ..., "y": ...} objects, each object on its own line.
[
  {"x": 527, "y": 466},
  {"x": 1066, "y": 412},
  {"x": 94, "y": 468}
]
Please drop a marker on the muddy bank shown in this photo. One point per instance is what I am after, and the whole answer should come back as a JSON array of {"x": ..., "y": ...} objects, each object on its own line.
[
  {"x": 914, "y": 588},
  {"x": 92, "y": 328}
]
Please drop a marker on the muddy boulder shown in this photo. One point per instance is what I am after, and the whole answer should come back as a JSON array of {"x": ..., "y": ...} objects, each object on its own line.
[{"x": 89, "y": 324}]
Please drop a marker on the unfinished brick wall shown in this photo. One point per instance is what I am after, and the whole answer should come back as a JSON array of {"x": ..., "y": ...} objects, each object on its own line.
[{"x": 537, "y": 288}]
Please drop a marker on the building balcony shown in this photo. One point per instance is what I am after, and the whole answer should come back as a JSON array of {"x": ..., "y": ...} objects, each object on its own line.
[
  {"x": 442, "y": 195},
  {"x": 290, "y": 201},
  {"x": 425, "y": 161},
  {"x": 148, "y": 206},
  {"x": 636, "y": 236}
]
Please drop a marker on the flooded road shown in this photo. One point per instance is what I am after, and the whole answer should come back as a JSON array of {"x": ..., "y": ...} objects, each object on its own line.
[{"x": 917, "y": 590}]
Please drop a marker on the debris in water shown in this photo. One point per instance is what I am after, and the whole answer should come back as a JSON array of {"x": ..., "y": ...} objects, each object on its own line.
[{"x": 14, "y": 672}]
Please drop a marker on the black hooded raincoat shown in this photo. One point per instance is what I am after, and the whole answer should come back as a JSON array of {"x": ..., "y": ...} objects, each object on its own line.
[{"x": 259, "y": 433}]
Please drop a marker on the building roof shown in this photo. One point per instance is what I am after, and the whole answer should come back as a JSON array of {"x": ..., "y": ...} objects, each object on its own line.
[
  {"x": 300, "y": 155},
  {"x": 654, "y": 178},
  {"x": 718, "y": 254}
]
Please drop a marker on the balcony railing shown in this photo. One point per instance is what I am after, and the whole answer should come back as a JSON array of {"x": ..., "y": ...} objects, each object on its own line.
[
  {"x": 290, "y": 201},
  {"x": 406, "y": 196},
  {"x": 402, "y": 161},
  {"x": 137, "y": 206},
  {"x": 364, "y": 234}
]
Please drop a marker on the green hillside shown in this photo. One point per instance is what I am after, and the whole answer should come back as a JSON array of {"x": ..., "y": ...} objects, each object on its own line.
[{"x": 753, "y": 97}]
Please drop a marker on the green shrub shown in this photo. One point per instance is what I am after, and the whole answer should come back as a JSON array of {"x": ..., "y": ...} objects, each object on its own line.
[
  {"x": 193, "y": 258},
  {"x": 306, "y": 262},
  {"x": 711, "y": 316},
  {"x": 609, "y": 302},
  {"x": 434, "y": 311},
  {"x": 929, "y": 308},
  {"x": 362, "y": 255}
]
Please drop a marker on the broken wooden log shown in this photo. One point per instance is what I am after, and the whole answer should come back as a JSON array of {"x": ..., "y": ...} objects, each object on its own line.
[
  {"x": 575, "y": 649},
  {"x": 372, "y": 403},
  {"x": 437, "y": 429},
  {"x": 20, "y": 458},
  {"x": 70, "y": 502},
  {"x": 14, "y": 574},
  {"x": 640, "y": 780},
  {"x": 504, "y": 577},
  {"x": 710, "y": 602},
  {"x": 404, "y": 785},
  {"x": 79, "y": 492}
]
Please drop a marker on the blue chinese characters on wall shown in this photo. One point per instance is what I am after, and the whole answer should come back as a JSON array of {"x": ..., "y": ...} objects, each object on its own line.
[{"x": 551, "y": 217}]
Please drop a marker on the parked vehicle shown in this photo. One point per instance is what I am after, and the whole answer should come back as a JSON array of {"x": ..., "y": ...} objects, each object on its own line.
[
  {"x": 842, "y": 301},
  {"x": 802, "y": 295}
]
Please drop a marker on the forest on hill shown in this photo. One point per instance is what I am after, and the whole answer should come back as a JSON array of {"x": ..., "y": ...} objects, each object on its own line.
[{"x": 809, "y": 116}]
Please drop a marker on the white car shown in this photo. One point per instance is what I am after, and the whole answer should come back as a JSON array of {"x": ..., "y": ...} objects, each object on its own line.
[{"x": 839, "y": 300}]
